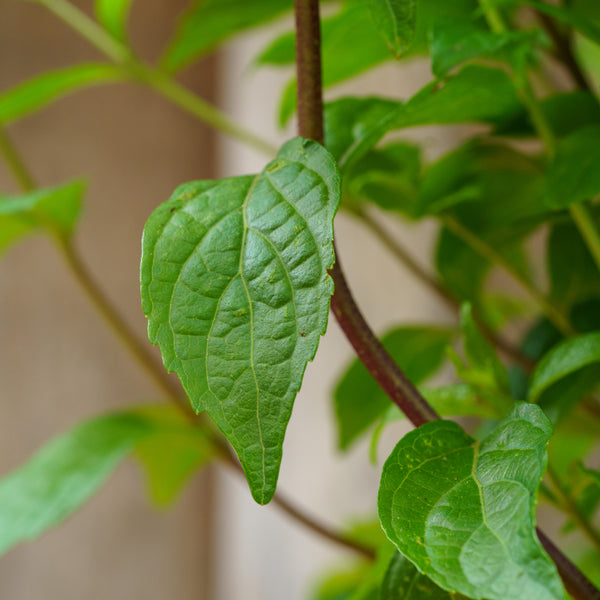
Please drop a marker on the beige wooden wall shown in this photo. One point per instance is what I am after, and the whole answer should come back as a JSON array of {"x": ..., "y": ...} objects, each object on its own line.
[{"x": 58, "y": 364}]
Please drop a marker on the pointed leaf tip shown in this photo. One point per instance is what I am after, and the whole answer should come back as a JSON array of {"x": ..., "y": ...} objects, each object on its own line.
[{"x": 236, "y": 291}]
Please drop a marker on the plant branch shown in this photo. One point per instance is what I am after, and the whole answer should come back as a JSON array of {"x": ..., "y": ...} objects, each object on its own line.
[
  {"x": 438, "y": 288},
  {"x": 168, "y": 385},
  {"x": 564, "y": 51},
  {"x": 368, "y": 348},
  {"x": 486, "y": 251},
  {"x": 568, "y": 505},
  {"x": 151, "y": 77},
  {"x": 310, "y": 125},
  {"x": 14, "y": 162}
]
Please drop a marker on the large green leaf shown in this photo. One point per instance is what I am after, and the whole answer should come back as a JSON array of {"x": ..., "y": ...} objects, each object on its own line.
[
  {"x": 236, "y": 291},
  {"x": 403, "y": 581},
  {"x": 566, "y": 358},
  {"x": 54, "y": 209},
  {"x": 359, "y": 401},
  {"x": 464, "y": 511},
  {"x": 396, "y": 22},
  {"x": 207, "y": 23},
  {"x": 574, "y": 174},
  {"x": 113, "y": 16},
  {"x": 474, "y": 94},
  {"x": 63, "y": 475},
  {"x": 43, "y": 89}
]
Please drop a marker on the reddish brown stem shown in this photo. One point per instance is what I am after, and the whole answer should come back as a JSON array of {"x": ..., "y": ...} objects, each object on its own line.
[{"x": 370, "y": 351}]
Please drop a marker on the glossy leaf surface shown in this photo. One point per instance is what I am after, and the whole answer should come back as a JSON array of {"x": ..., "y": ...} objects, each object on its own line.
[
  {"x": 463, "y": 511},
  {"x": 403, "y": 581},
  {"x": 566, "y": 358},
  {"x": 38, "y": 92},
  {"x": 359, "y": 401},
  {"x": 53, "y": 209},
  {"x": 236, "y": 291}
]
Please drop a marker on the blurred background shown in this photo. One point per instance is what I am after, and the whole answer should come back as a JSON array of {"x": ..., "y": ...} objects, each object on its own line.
[{"x": 59, "y": 364}]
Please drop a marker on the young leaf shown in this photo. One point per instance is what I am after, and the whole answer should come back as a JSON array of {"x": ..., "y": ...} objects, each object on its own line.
[
  {"x": 54, "y": 209},
  {"x": 396, "y": 22},
  {"x": 458, "y": 41},
  {"x": 113, "y": 14},
  {"x": 403, "y": 581},
  {"x": 207, "y": 23},
  {"x": 463, "y": 511},
  {"x": 36, "y": 93},
  {"x": 566, "y": 358},
  {"x": 574, "y": 174},
  {"x": 236, "y": 291},
  {"x": 359, "y": 401},
  {"x": 64, "y": 475},
  {"x": 474, "y": 94}
]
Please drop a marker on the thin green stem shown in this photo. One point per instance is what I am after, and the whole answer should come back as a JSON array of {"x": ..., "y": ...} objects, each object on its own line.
[
  {"x": 200, "y": 108},
  {"x": 568, "y": 505},
  {"x": 438, "y": 288},
  {"x": 140, "y": 351},
  {"x": 14, "y": 162},
  {"x": 158, "y": 81},
  {"x": 88, "y": 29},
  {"x": 486, "y": 251}
]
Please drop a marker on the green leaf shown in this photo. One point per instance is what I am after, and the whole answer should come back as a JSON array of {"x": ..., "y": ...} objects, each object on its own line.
[
  {"x": 38, "y": 92},
  {"x": 459, "y": 266},
  {"x": 236, "y": 291},
  {"x": 113, "y": 14},
  {"x": 403, "y": 581},
  {"x": 569, "y": 285},
  {"x": 388, "y": 177},
  {"x": 464, "y": 511},
  {"x": 208, "y": 23},
  {"x": 396, "y": 22},
  {"x": 564, "y": 113},
  {"x": 481, "y": 355},
  {"x": 64, "y": 475},
  {"x": 172, "y": 455},
  {"x": 358, "y": 399},
  {"x": 457, "y": 41},
  {"x": 474, "y": 94},
  {"x": 566, "y": 358},
  {"x": 54, "y": 209},
  {"x": 574, "y": 174}
]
